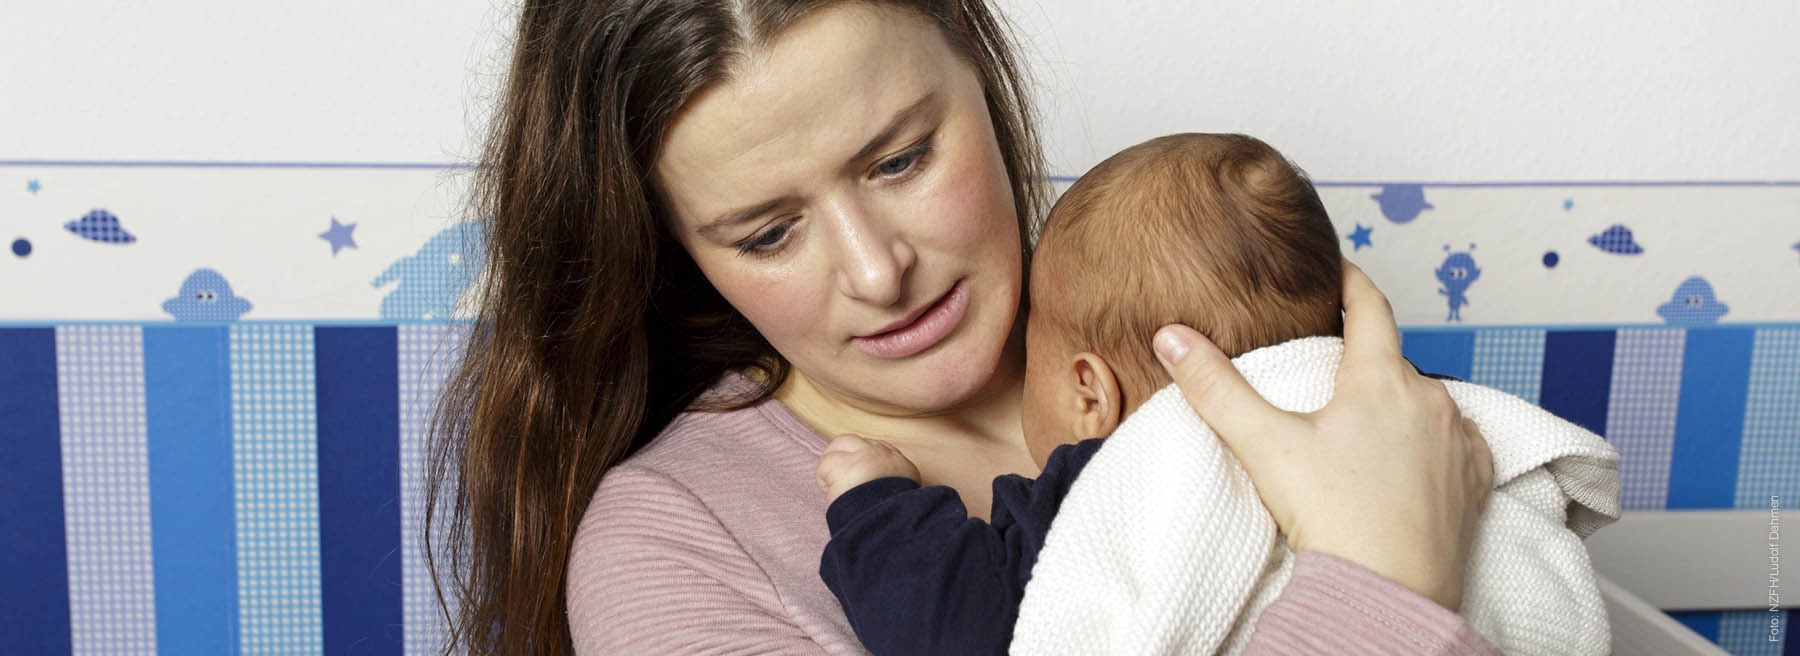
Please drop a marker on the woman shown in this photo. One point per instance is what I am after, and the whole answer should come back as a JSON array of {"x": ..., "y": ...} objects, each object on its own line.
[{"x": 723, "y": 229}]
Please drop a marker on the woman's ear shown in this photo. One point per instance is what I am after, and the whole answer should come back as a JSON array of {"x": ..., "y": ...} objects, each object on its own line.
[{"x": 1096, "y": 393}]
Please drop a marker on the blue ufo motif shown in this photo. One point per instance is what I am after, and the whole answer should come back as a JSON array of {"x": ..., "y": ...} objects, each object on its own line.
[
  {"x": 1616, "y": 240},
  {"x": 100, "y": 226},
  {"x": 1401, "y": 203},
  {"x": 1693, "y": 303},
  {"x": 205, "y": 296}
]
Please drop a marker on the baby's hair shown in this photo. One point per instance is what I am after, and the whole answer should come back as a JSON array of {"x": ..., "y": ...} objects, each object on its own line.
[{"x": 1217, "y": 231}]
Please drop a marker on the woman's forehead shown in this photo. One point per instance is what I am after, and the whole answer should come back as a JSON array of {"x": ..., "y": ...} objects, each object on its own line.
[{"x": 801, "y": 108}]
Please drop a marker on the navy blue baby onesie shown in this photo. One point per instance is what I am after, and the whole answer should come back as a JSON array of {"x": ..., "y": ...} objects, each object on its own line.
[{"x": 916, "y": 575}]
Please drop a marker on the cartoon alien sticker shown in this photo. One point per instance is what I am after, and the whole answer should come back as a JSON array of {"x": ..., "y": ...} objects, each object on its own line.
[
  {"x": 1693, "y": 303},
  {"x": 1456, "y": 273},
  {"x": 206, "y": 296}
]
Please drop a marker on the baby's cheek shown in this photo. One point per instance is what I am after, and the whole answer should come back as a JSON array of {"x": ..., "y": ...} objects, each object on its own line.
[{"x": 1040, "y": 437}]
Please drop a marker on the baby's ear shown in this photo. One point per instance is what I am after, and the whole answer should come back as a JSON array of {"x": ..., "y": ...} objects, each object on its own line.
[{"x": 1097, "y": 393}]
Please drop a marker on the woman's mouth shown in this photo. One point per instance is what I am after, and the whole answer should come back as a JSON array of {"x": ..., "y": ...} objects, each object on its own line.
[{"x": 924, "y": 331}]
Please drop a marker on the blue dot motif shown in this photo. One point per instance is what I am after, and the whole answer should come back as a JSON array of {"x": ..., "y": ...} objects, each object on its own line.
[
  {"x": 1550, "y": 259},
  {"x": 21, "y": 247}
]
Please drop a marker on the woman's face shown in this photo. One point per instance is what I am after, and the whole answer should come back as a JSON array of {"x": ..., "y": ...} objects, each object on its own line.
[{"x": 843, "y": 189}]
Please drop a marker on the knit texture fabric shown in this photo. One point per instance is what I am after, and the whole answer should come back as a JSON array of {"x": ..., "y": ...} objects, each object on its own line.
[{"x": 1163, "y": 546}]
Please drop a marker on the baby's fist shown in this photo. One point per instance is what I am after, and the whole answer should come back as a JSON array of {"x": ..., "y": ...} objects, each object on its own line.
[{"x": 850, "y": 461}]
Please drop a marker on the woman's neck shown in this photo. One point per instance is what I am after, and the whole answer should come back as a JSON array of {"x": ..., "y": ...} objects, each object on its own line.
[{"x": 987, "y": 419}]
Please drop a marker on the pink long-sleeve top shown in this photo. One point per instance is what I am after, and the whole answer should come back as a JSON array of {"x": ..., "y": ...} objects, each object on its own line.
[{"x": 708, "y": 541}]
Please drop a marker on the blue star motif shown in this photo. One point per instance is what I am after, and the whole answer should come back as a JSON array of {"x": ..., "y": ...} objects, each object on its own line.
[
  {"x": 1360, "y": 237},
  {"x": 339, "y": 236},
  {"x": 1568, "y": 204},
  {"x": 33, "y": 186}
]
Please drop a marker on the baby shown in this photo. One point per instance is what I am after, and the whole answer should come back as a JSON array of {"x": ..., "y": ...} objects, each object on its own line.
[{"x": 1218, "y": 232}]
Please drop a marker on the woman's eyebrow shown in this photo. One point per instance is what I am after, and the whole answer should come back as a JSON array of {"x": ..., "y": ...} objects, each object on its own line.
[
  {"x": 710, "y": 229},
  {"x": 893, "y": 127}
]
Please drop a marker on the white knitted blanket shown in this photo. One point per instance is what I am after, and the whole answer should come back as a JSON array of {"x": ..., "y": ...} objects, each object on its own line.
[{"x": 1163, "y": 547}]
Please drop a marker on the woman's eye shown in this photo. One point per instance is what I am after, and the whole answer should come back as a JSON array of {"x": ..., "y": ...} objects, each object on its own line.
[
  {"x": 766, "y": 241},
  {"x": 904, "y": 162},
  {"x": 897, "y": 165}
]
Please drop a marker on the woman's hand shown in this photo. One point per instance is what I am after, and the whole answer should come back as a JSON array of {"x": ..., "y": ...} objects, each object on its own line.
[{"x": 1388, "y": 475}]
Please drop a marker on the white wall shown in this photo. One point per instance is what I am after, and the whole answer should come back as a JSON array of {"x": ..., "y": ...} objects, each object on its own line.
[
  {"x": 277, "y": 81},
  {"x": 1421, "y": 90},
  {"x": 1399, "y": 90},
  {"x": 1403, "y": 91}
]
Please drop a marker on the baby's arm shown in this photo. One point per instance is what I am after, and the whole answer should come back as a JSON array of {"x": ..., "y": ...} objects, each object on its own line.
[{"x": 913, "y": 572}]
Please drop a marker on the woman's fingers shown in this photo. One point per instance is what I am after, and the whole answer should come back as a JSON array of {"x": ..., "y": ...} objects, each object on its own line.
[
  {"x": 1219, "y": 394},
  {"x": 1388, "y": 475},
  {"x": 1370, "y": 334},
  {"x": 1481, "y": 457}
]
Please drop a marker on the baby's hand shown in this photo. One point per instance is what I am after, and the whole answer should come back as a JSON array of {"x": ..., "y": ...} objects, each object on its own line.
[{"x": 850, "y": 461}]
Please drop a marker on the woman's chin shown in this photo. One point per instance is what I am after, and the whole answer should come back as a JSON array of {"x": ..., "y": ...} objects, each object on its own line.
[{"x": 941, "y": 380}]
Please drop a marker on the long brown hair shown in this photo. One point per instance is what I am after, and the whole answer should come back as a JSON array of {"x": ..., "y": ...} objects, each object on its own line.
[{"x": 593, "y": 326}]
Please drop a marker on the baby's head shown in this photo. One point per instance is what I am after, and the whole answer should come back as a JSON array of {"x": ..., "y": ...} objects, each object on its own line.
[{"x": 1215, "y": 231}]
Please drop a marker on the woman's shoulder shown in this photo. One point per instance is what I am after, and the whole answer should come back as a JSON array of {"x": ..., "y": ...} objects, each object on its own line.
[
  {"x": 708, "y": 473},
  {"x": 652, "y": 552},
  {"x": 719, "y": 515},
  {"x": 710, "y": 444}
]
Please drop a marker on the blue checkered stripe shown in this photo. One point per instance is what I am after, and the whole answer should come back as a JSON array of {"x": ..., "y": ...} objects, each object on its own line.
[
  {"x": 106, "y": 489},
  {"x": 274, "y": 466},
  {"x": 1746, "y": 633},
  {"x": 1641, "y": 411},
  {"x": 427, "y": 353},
  {"x": 1769, "y": 463},
  {"x": 1510, "y": 360}
]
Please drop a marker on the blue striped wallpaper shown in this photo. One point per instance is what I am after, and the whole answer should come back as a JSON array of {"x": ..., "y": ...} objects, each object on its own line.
[{"x": 257, "y": 487}]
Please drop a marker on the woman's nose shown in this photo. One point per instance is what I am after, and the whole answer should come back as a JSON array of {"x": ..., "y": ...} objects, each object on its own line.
[{"x": 874, "y": 259}]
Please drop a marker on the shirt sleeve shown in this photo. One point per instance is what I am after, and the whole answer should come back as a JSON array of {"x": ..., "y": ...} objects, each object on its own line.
[
  {"x": 1334, "y": 606},
  {"x": 1028, "y": 506},
  {"x": 916, "y": 575},
  {"x": 652, "y": 571}
]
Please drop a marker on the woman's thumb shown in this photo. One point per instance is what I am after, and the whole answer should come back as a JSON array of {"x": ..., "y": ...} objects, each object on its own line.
[{"x": 1215, "y": 389}]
